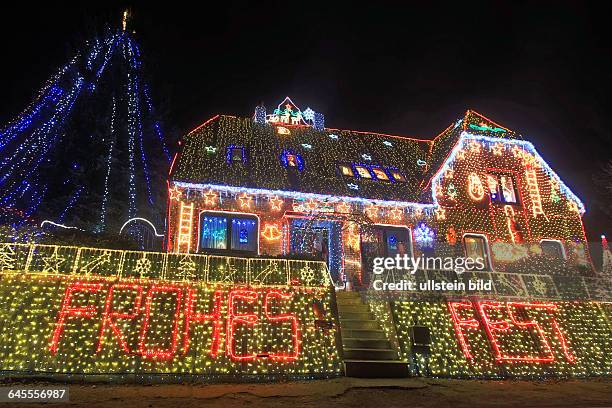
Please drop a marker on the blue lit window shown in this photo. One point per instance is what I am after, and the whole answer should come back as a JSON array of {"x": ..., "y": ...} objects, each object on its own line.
[
  {"x": 291, "y": 159},
  {"x": 244, "y": 234},
  {"x": 235, "y": 154},
  {"x": 228, "y": 232},
  {"x": 213, "y": 232}
]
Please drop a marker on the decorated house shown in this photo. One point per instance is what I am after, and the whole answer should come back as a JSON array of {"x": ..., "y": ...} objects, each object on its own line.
[{"x": 284, "y": 185}]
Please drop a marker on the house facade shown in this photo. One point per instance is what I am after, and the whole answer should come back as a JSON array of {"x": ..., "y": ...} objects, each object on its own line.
[{"x": 281, "y": 184}]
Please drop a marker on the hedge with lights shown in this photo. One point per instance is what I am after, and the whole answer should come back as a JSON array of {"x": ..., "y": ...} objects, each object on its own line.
[
  {"x": 72, "y": 320},
  {"x": 492, "y": 339}
]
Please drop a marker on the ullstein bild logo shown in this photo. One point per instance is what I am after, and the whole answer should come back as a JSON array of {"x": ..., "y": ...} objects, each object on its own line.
[{"x": 411, "y": 264}]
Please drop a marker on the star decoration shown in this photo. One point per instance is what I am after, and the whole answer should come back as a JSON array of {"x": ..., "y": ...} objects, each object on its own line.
[
  {"x": 440, "y": 213},
  {"x": 245, "y": 200},
  {"x": 276, "y": 203},
  {"x": 53, "y": 262},
  {"x": 211, "y": 149},
  {"x": 175, "y": 193},
  {"x": 372, "y": 211},
  {"x": 498, "y": 149},
  {"x": 474, "y": 146},
  {"x": 343, "y": 208},
  {"x": 460, "y": 154},
  {"x": 353, "y": 186},
  {"x": 449, "y": 173},
  {"x": 312, "y": 204},
  {"x": 210, "y": 197},
  {"x": 418, "y": 212},
  {"x": 395, "y": 213},
  {"x": 439, "y": 191}
]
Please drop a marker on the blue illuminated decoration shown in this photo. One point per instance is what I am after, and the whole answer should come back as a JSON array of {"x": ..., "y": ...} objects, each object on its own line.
[
  {"x": 244, "y": 236},
  {"x": 388, "y": 143},
  {"x": 333, "y": 136},
  {"x": 423, "y": 236},
  {"x": 488, "y": 141},
  {"x": 487, "y": 128},
  {"x": 291, "y": 159},
  {"x": 235, "y": 153},
  {"x": 214, "y": 232}
]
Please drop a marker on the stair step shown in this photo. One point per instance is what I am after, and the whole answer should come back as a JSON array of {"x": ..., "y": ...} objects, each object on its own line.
[
  {"x": 367, "y": 343},
  {"x": 363, "y": 333},
  {"x": 359, "y": 324},
  {"x": 348, "y": 301},
  {"x": 375, "y": 369},
  {"x": 366, "y": 315},
  {"x": 355, "y": 308},
  {"x": 370, "y": 354}
]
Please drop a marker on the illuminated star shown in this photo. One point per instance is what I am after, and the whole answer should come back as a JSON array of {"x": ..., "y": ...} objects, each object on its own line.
[
  {"x": 474, "y": 146},
  {"x": 498, "y": 149},
  {"x": 175, "y": 193},
  {"x": 418, "y": 212},
  {"x": 372, "y": 211},
  {"x": 449, "y": 173},
  {"x": 312, "y": 204},
  {"x": 276, "y": 203},
  {"x": 343, "y": 208},
  {"x": 439, "y": 190},
  {"x": 210, "y": 197},
  {"x": 460, "y": 154},
  {"x": 395, "y": 213},
  {"x": 440, "y": 213},
  {"x": 245, "y": 200}
]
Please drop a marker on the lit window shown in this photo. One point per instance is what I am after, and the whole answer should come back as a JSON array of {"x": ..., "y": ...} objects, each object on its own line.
[
  {"x": 363, "y": 172},
  {"x": 397, "y": 176},
  {"x": 552, "y": 248},
  {"x": 346, "y": 170},
  {"x": 236, "y": 154},
  {"x": 501, "y": 188},
  {"x": 222, "y": 232},
  {"x": 476, "y": 249},
  {"x": 380, "y": 174},
  {"x": 291, "y": 159}
]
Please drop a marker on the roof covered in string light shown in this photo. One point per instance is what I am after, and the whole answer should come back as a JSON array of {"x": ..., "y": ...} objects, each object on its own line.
[{"x": 318, "y": 155}]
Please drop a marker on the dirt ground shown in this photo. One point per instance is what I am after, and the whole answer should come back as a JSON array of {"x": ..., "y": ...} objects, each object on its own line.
[{"x": 348, "y": 392}]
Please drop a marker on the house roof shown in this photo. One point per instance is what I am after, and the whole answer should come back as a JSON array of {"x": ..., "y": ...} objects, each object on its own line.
[{"x": 203, "y": 158}]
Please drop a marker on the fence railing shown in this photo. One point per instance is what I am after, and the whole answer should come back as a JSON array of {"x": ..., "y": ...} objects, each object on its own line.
[{"x": 72, "y": 260}]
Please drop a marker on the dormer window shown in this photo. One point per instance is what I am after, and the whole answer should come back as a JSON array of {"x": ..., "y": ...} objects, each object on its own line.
[
  {"x": 292, "y": 160},
  {"x": 397, "y": 176},
  {"x": 236, "y": 154},
  {"x": 380, "y": 174},
  {"x": 363, "y": 172},
  {"x": 346, "y": 170}
]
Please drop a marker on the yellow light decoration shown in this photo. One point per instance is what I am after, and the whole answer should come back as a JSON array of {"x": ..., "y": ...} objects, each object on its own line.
[
  {"x": 245, "y": 200},
  {"x": 210, "y": 198},
  {"x": 276, "y": 204}
]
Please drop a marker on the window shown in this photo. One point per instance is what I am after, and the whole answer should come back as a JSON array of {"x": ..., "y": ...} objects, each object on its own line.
[
  {"x": 397, "y": 176},
  {"x": 380, "y": 174},
  {"x": 228, "y": 231},
  {"x": 476, "y": 247},
  {"x": 236, "y": 154},
  {"x": 552, "y": 248},
  {"x": 363, "y": 172},
  {"x": 346, "y": 170},
  {"x": 502, "y": 188},
  {"x": 292, "y": 160}
]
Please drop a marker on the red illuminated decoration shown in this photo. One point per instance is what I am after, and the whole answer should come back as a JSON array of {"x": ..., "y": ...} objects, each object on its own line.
[
  {"x": 461, "y": 324},
  {"x": 235, "y": 318},
  {"x": 271, "y": 232},
  {"x": 110, "y": 316},
  {"x": 160, "y": 353},
  {"x": 214, "y": 317},
  {"x": 68, "y": 310},
  {"x": 245, "y": 200},
  {"x": 210, "y": 198},
  {"x": 175, "y": 193},
  {"x": 276, "y": 203},
  {"x": 284, "y": 317}
]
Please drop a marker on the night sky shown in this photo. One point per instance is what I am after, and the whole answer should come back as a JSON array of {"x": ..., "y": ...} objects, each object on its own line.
[{"x": 542, "y": 69}]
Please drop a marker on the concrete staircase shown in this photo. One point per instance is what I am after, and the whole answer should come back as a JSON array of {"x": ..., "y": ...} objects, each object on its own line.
[{"x": 367, "y": 352}]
